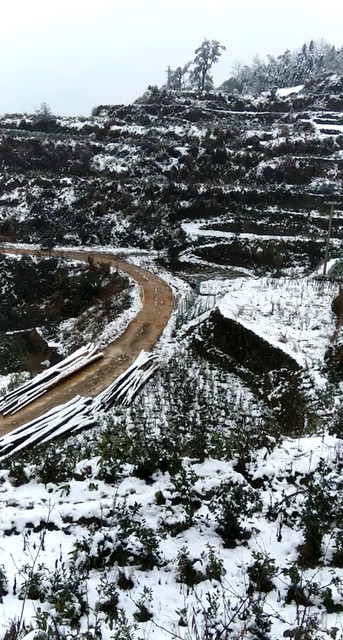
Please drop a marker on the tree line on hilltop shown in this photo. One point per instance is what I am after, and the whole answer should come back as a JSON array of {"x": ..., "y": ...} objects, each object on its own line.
[{"x": 289, "y": 69}]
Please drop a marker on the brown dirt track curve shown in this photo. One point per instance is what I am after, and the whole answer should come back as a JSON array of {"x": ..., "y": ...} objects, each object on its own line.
[{"x": 142, "y": 333}]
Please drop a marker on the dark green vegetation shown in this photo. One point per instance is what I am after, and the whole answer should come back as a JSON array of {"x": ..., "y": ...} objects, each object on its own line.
[
  {"x": 39, "y": 292},
  {"x": 181, "y": 422},
  {"x": 262, "y": 256},
  {"x": 263, "y": 367}
]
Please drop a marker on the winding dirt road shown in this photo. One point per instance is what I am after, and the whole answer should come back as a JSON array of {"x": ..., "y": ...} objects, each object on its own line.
[{"x": 142, "y": 333}]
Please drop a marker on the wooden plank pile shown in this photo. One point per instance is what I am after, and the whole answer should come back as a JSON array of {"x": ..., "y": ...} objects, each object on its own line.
[
  {"x": 80, "y": 413},
  {"x": 40, "y": 384}
]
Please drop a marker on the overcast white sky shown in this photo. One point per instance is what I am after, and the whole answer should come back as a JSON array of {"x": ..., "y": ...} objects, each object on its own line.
[{"x": 76, "y": 54}]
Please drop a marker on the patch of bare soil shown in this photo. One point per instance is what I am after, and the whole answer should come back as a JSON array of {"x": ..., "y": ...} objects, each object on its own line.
[{"x": 142, "y": 333}]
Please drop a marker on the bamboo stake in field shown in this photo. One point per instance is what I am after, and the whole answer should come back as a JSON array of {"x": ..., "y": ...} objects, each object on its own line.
[{"x": 328, "y": 239}]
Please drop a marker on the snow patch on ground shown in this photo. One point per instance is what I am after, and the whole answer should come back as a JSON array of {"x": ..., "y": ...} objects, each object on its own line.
[
  {"x": 287, "y": 91},
  {"x": 292, "y": 315},
  {"x": 102, "y": 162},
  {"x": 197, "y": 229}
]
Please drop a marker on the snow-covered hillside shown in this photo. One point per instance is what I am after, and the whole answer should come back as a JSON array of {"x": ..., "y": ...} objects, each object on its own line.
[
  {"x": 130, "y": 175},
  {"x": 211, "y": 508},
  {"x": 160, "y": 524}
]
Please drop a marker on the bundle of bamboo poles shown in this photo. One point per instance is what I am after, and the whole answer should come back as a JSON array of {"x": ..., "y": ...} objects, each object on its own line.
[
  {"x": 123, "y": 389},
  {"x": 80, "y": 413},
  {"x": 40, "y": 384},
  {"x": 75, "y": 414}
]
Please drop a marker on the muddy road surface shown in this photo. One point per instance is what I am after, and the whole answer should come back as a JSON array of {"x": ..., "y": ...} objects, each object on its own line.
[{"x": 143, "y": 332}]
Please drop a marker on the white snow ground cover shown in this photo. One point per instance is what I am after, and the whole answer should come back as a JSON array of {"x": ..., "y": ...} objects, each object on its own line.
[
  {"x": 330, "y": 127},
  {"x": 67, "y": 508},
  {"x": 4, "y": 383},
  {"x": 293, "y": 315},
  {"x": 198, "y": 229},
  {"x": 287, "y": 91},
  {"x": 70, "y": 507},
  {"x": 102, "y": 162}
]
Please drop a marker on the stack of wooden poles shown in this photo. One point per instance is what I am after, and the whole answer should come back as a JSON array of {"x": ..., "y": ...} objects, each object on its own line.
[{"x": 77, "y": 414}]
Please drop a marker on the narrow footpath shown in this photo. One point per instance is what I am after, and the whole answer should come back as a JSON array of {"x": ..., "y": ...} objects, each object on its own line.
[{"x": 143, "y": 332}]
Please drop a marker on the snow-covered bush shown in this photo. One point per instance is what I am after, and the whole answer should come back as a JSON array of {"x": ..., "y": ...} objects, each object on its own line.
[{"x": 232, "y": 505}]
